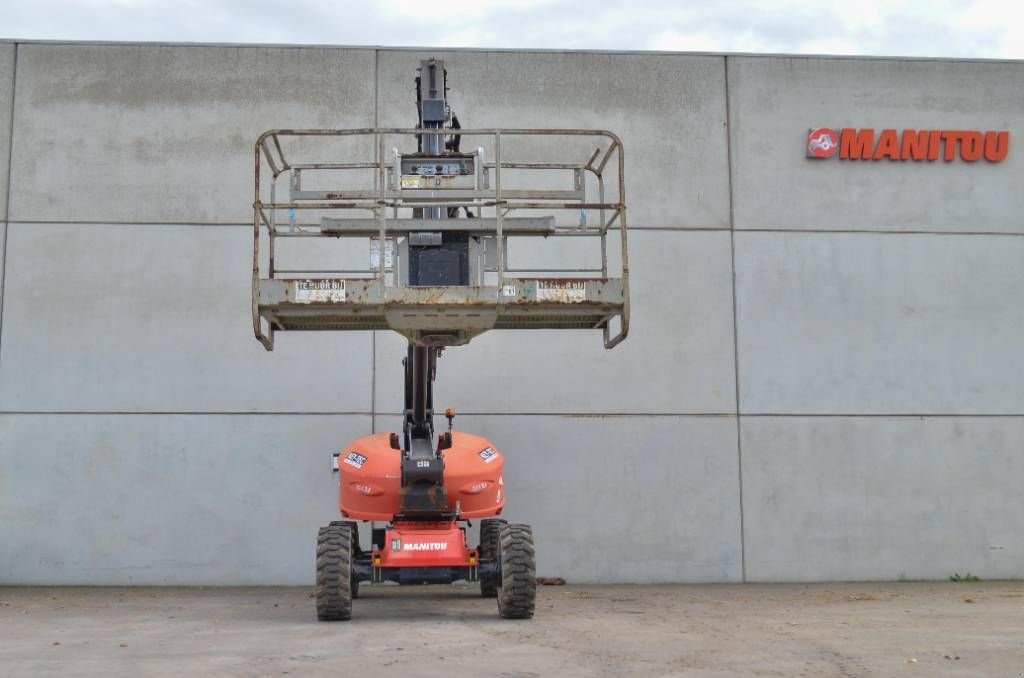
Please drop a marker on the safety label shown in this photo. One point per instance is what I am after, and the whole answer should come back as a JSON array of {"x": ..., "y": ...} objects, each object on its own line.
[
  {"x": 565, "y": 291},
  {"x": 389, "y": 254},
  {"x": 355, "y": 459},
  {"x": 319, "y": 291}
]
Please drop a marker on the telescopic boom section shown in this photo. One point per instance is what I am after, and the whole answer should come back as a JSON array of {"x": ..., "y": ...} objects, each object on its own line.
[
  {"x": 419, "y": 400},
  {"x": 434, "y": 260}
]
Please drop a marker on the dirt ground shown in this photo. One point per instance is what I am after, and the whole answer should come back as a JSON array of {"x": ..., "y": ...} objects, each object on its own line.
[{"x": 906, "y": 629}]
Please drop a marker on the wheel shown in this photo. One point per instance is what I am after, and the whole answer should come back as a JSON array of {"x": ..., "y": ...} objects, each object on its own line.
[
  {"x": 334, "y": 573},
  {"x": 354, "y": 527},
  {"x": 489, "y": 529},
  {"x": 517, "y": 590}
]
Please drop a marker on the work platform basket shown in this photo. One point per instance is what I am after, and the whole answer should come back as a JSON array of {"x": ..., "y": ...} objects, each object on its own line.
[{"x": 388, "y": 209}]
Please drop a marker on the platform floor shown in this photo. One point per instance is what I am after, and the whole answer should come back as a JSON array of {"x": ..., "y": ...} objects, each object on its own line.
[{"x": 907, "y": 629}]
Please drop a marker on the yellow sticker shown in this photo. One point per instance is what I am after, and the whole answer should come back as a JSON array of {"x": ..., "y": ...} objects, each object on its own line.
[{"x": 410, "y": 182}]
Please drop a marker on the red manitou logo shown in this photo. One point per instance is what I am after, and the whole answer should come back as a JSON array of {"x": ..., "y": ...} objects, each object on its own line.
[
  {"x": 822, "y": 143},
  {"x": 909, "y": 144}
]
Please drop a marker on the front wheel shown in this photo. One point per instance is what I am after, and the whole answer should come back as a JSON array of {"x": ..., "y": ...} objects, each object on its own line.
[
  {"x": 334, "y": 573},
  {"x": 517, "y": 587}
]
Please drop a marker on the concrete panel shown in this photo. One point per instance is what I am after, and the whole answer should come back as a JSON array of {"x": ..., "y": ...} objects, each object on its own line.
[
  {"x": 169, "y": 499},
  {"x": 880, "y": 324},
  {"x": 677, "y": 359},
  {"x": 6, "y": 98},
  {"x": 829, "y": 498},
  {"x": 155, "y": 319},
  {"x": 773, "y": 101},
  {"x": 153, "y": 133},
  {"x": 634, "y": 499},
  {"x": 669, "y": 111}
]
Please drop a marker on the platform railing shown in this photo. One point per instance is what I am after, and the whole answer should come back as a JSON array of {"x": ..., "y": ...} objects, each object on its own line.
[{"x": 387, "y": 197}]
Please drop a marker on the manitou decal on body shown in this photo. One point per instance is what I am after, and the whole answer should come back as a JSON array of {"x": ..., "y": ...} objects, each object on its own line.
[
  {"x": 488, "y": 454},
  {"x": 918, "y": 145},
  {"x": 427, "y": 546}
]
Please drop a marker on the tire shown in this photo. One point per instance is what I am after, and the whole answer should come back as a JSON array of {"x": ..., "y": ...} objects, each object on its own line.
[
  {"x": 489, "y": 539},
  {"x": 356, "y": 551},
  {"x": 354, "y": 526},
  {"x": 334, "y": 573},
  {"x": 517, "y": 591}
]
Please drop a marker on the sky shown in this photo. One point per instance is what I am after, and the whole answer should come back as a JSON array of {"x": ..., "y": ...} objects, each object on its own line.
[{"x": 943, "y": 28}]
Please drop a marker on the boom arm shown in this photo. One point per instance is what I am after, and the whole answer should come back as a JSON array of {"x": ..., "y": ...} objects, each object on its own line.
[{"x": 434, "y": 259}]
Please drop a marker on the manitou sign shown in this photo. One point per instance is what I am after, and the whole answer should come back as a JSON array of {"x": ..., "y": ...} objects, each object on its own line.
[{"x": 926, "y": 145}]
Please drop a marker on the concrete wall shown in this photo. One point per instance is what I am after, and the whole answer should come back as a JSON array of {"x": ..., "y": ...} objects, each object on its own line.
[{"x": 823, "y": 380}]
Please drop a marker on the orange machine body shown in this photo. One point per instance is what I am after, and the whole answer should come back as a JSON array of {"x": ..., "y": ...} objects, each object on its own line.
[{"x": 370, "y": 477}]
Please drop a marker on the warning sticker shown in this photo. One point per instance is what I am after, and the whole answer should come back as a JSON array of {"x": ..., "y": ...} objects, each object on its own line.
[
  {"x": 389, "y": 254},
  {"x": 355, "y": 459},
  {"x": 565, "y": 291},
  {"x": 488, "y": 454},
  {"x": 319, "y": 291}
]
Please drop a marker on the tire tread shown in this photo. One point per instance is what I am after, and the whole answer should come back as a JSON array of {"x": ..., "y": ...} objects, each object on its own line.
[
  {"x": 334, "y": 573},
  {"x": 517, "y": 592},
  {"x": 490, "y": 539}
]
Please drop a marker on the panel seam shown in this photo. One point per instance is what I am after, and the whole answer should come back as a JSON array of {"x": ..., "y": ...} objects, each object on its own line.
[
  {"x": 565, "y": 415},
  {"x": 7, "y": 197},
  {"x": 633, "y": 228},
  {"x": 735, "y": 323},
  {"x": 183, "y": 413}
]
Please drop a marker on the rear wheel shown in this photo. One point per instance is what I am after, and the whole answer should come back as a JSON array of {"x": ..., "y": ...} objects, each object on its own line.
[
  {"x": 334, "y": 573},
  {"x": 490, "y": 529},
  {"x": 517, "y": 589}
]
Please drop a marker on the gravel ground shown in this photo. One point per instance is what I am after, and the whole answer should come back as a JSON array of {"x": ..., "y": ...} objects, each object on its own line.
[{"x": 905, "y": 629}]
